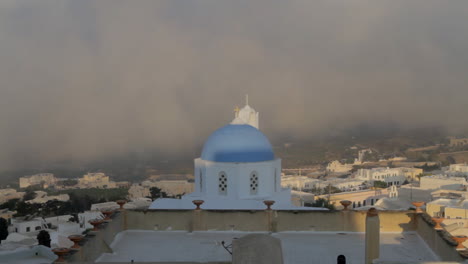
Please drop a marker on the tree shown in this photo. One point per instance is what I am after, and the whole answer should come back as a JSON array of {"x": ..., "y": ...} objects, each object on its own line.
[
  {"x": 69, "y": 182},
  {"x": 157, "y": 193},
  {"x": 10, "y": 204},
  {"x": 380, "y": 184},
  {"x": 23, "y": 209},
  {"x": 3, "y": 229},
  {"x": 29, "y": 195},
  {"x": 321, "y": 202},
  {"x": 370, "y": 156},
  {"x": 451, "y": 160},
  {"x": 43, "y": 238},
  {"x": 427, "y": 167}
]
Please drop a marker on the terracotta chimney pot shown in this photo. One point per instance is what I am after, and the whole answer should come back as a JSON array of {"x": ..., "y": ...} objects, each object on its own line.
[
  {"x": 418, "y": 206},
  {"x": 107, "y": 214},
  {"x": 60, "y": 252},
  {"x": 269, "y": 203},
  {"x": 95, "y": 223},
  {"x": 460, "y": 240},
  {"x": 121, "y": 203},
  {"x": 438, "y": 221},
  {"x": 198, "y": 203},
  {"x": 345, "y": 204},
  {"x": 76, "y": 239}
]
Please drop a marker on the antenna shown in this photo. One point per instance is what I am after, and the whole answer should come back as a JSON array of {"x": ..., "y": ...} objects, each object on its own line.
[{"x": 246, "y": 99}]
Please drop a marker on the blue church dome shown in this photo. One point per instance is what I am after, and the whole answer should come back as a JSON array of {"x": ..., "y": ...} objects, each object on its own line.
[{"x": 237, "y": 143}]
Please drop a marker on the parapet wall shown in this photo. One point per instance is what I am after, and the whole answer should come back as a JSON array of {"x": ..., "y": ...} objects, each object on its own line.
[{"x": 273, "y": 221}]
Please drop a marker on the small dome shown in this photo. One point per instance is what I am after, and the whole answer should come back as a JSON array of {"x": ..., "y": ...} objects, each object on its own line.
[{"x": 237, "y": 143}]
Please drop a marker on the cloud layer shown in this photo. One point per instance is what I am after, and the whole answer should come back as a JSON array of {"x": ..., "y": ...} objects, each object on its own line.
[{"x": 86, "y": 79}]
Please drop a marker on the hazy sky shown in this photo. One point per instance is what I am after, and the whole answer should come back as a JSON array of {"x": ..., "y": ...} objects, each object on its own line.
[{"x": 91, "y": 78}]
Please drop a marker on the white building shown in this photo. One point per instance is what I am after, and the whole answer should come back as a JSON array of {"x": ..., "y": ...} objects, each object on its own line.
[
  {"x": 29, "y": 226},
  {"x": 96, "y": 180},
  {"x": 457, "y": 142},
  {"x": 460, "y": 169},
  {"x": 299, "y": 182},
  {"x": 345, "y": 185},
  {"x": 42, "y": 197},
  {"x": 43, "y": 179},
  {"x": 392, "y": 176},
  {"x": 138, "y": 191},
  {"x": 8, "y": 194},
  {"x": 443, "y": 182},
  {"x": 338, "y": 167},
  {"x": 303, "y": 183},
  {"x": 237, "y": 170},
  {"x": 7, "y": 214},
  {"x": 411, "y": 174}
]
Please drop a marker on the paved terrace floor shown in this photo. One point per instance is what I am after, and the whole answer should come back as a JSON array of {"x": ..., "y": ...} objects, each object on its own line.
[{"x": 298, "y": 247}]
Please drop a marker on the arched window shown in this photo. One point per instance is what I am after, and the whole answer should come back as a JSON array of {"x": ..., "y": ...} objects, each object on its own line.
[
  {"x": 222, "y": 183},
  {"x": 253, "y": 183}
]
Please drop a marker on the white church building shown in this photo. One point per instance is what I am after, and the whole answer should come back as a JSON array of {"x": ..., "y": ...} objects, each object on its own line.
[{"x": 237, "y": 170}]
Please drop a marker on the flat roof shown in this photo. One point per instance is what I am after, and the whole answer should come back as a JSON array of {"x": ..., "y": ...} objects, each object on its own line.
[{"x": 298, "y": 247}]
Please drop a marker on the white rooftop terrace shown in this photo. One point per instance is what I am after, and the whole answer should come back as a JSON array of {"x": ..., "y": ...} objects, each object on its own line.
[
  {"x": 28, "y": 255},
  {"x": 298, "y": 247}
]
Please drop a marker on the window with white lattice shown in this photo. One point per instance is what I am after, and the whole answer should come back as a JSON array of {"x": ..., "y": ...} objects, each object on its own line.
[
  {"x": 253, "y": 183},
  {"x": 222, "y": 183}
]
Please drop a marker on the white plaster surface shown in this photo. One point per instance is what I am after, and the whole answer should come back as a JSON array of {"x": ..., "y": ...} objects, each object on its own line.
[
  {"x": 28, "y": 255},
  {"x": 298, "y": 247}
]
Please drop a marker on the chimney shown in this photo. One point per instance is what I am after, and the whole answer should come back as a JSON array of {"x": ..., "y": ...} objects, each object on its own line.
[
  {"x": 197, "y": 222},
  {"x": 269, "y": 214},
  {"x": 372, "y": 235}
]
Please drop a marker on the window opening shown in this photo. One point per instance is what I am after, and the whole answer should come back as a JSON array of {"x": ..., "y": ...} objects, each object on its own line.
[
  {"x": 253, "y": 183},
  {"x": 222, "y": 183}
]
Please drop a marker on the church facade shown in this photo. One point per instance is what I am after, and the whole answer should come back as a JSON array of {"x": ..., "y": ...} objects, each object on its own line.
[{"x": 237, "y": 170}]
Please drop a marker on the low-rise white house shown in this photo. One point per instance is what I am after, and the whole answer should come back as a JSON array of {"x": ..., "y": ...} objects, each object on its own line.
[
  {"x": 443, "y": 182},
  {"x": 44, "y": 179},
  {"x": 460, "y": 169},
  {"x": 138, "y": 191},
  {"x": 42, "y": 197},
  {"x": 28, "y": 226},
  {"x": 338, "y": 167},
  {"x": 392, "y": 176},
  {"x": 305, "y": 183},
  {"x": 299, "y": 182},
  {"x": 96, "y": 180},
  {"x": 7, "y": 215},
  {"x": 8, "y": 194}
]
